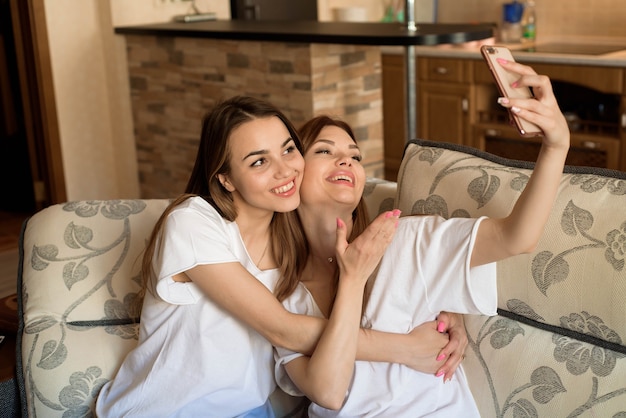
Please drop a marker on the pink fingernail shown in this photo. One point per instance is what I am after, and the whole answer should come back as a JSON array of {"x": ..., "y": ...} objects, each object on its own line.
[
  {"x": 515, "y": 109},
  {"x": 439, "y": 374},
  {"x": 501, "y": 60},
  {"x": 441, "y": 357},
  {"x": 441, "y": 327},
  {"x": 397, "y": 212},
  {"x": 503, "y": 100}
]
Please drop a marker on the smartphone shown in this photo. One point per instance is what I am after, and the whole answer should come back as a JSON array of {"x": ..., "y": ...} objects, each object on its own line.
[{"x": 503, "y": 80}]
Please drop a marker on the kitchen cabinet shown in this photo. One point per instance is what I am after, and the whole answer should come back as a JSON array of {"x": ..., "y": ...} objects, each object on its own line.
[
  {"x": 457, "y": 103},
  {"x": 445, "y": 92},
  {"x": 394, "y": 113},
  {"x": 446, "y": 104}
]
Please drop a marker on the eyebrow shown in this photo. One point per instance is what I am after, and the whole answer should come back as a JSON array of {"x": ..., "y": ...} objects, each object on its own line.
[
  {"x": 264, "y": 151},
  {"x": 329, "y": 142}
]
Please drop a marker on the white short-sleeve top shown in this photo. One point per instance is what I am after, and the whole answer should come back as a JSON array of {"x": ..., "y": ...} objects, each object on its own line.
[
  {"x": 425, "y": 270},
  {"x": 193, "y": 358}
]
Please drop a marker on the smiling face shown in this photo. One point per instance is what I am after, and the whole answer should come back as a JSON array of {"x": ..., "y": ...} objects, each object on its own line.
[
  {"x": 266, "y": 168},
  {"x": 333, "y": 173}
]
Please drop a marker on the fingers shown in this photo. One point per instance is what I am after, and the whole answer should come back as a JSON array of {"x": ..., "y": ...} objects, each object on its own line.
[
  {"x": 543, "y": 110},
  {"x": 454, "y": 351},
  {"x": 449, "y": 368},
  {"x": 341, "y": 242},
  {"x": 361, "y": 256},
  {"x": 384, "y": 226}
]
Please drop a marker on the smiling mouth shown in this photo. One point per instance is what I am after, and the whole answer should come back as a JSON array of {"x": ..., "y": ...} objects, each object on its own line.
[
  {"x": 285, "y": 188},
  {"x": 340, "y": 178}
]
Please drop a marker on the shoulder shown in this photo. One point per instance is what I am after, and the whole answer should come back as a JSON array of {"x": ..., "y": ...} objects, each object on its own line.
[
  {"x": 196, "y": 212},
  {"x": 424, "y": 228},
  {"x": 197, "y": 205}
]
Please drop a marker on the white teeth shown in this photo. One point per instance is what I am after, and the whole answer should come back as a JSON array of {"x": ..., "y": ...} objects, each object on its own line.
[
  {"x": 346, "y": 178},
  {"x": 284, "y": 188}
]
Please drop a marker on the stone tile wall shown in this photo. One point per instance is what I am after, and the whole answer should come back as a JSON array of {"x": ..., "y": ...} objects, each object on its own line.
[{"x": 174, "y": 81}]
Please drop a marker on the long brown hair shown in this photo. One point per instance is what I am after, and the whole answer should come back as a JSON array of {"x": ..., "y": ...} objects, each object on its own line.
[
  {"x": 288, "y": 243},
  {"x": 309, "y": 132}
]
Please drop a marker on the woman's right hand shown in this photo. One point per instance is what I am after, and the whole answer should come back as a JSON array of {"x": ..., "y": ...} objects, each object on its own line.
[
  {"x": 360, "y": 257},
  {"x": 424, "y": 343}
]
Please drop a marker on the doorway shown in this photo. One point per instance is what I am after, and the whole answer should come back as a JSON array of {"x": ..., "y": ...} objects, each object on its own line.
[{"x": 31, "y": 173}]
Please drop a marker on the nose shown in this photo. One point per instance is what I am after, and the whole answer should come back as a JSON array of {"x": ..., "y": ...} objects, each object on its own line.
[
  {"x": 345, "y": 160},
  {"x": 283, "y": 169}
]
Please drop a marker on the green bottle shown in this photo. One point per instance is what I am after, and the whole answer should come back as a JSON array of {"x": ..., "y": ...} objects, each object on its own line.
[{"x": 529, "y": 23}]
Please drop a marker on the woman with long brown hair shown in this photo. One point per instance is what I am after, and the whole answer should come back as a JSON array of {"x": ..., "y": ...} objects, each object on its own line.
[
  {"x": 209, "y": 317},
  {"x": 432, "y": 264}
]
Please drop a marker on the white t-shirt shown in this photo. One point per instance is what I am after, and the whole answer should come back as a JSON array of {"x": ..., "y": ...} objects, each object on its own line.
[
  {"x": 425, "y": 270},
  {"x": 193, "y": 358}
]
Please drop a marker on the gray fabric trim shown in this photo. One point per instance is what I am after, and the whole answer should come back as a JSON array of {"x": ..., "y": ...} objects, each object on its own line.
[{"x": 19, "y": 370}]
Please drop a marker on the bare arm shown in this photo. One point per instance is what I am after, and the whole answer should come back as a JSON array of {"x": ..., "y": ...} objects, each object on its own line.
[
  {"x": 233, "y": 287},
  {"x": 325, "y": 376},
  {"x": 520, "y": 231}
]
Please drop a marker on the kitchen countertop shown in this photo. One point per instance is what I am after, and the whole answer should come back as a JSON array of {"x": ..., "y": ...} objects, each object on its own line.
[
  {"x": 357, "y": 33},
  {"x": 470, "y": 50}
]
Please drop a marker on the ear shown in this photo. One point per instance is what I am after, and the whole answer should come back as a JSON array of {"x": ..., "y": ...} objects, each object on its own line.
[{"x": 226, "y": 184}]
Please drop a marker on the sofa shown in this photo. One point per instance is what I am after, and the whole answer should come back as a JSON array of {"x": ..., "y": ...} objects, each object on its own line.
[{"x": 555, "y": 349}]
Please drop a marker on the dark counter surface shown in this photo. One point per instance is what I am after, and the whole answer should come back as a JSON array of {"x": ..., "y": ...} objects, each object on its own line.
[{"x": 356, "y": 33}]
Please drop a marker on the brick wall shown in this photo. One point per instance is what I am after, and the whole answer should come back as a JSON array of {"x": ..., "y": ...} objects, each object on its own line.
[{"x": 174, "y": 81}]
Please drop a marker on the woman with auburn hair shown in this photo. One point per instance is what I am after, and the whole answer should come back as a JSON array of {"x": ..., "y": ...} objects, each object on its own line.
[{"x": 432, "y": 264}]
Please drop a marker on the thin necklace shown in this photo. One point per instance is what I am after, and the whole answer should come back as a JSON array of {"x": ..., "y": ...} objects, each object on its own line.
[{"x": 258, "y": 263}]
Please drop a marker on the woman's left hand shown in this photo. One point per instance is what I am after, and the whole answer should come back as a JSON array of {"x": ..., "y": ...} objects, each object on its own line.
[
  {"x": 542, "y": 110},
  {"x": 359, "y": 258}
]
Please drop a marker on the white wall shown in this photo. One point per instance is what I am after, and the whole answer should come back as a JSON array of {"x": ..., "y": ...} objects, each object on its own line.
[
  {"x": 135, "y": 12},
  {"x": 92, "y": 100}
]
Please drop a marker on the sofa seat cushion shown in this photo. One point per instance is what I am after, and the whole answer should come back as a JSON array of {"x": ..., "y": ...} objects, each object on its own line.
[{"x": 79, "y": 279}]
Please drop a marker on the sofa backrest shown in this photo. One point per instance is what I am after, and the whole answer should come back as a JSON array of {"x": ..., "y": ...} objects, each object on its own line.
[{"x": 573, "y": 285}]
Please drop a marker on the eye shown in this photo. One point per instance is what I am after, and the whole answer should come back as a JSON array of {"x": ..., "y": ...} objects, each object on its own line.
[
  {"x": 357, "y": 157},
  {"x": 258, "y": 163},
  {"x": 290, "y": 149},
  {"x": 322, "y": 151}
]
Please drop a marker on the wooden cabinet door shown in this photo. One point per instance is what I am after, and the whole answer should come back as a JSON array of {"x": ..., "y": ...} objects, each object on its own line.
[
  {"x": 394, "y": 113},
  {"x": 444, "y": 112}
]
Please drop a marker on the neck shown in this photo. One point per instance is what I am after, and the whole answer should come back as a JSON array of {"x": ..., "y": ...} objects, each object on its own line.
[
  {"x": 254, "y": 228},
  {"x": 320, "y": 227}
]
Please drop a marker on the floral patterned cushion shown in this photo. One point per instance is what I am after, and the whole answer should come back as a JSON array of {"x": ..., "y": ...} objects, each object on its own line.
[
  {"x": 557, "y": 347},
  {"x": 79, "y": 276}
]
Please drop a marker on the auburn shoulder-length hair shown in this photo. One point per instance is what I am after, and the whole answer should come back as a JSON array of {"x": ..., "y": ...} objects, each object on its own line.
[
  {"x": 309, "y": 132},
  {"x": 288, "y": 242}
]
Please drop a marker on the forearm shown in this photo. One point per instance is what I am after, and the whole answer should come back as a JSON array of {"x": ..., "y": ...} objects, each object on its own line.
[
  {"x": 381, "y": 346},
  {"x": 526, "y": 223},
  {"x": 519, "y": 233},
  {"x": 325, "y": 376},
  {"x": 299, "y": 333},
  {"x": 418, "y": 349},
  {"x": 330, "y": 368}
]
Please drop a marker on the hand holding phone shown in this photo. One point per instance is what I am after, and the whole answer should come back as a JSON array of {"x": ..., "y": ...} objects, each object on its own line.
[{"x": 504, "y": 79}]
